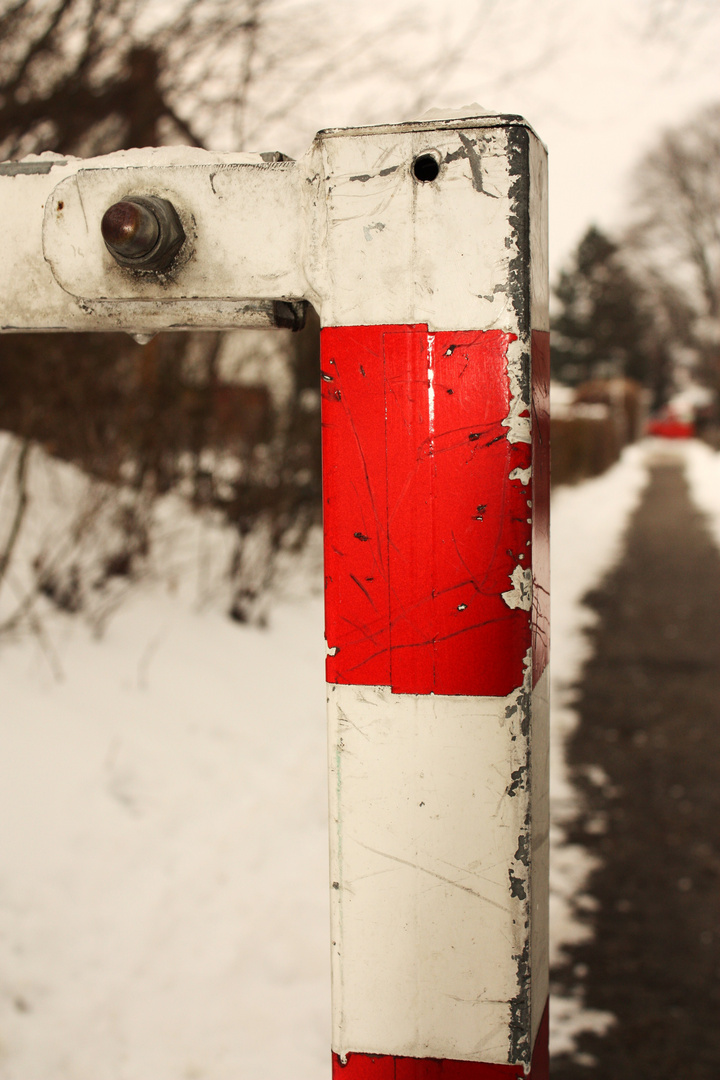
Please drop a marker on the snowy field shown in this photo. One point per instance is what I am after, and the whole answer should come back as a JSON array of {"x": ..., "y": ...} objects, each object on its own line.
[{"x": 163, "y": 878}]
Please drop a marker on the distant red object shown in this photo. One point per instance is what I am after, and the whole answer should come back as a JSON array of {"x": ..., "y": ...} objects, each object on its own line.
[{"x": 669, "y": 427}]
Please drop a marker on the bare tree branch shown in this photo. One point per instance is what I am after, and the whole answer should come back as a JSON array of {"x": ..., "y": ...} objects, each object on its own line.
[{"x": 678, "y": 204}]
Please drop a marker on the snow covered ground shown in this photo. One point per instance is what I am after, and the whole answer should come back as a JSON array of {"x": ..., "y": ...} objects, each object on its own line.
[
  {"x": 702, "y": 469},
  {"x": 588, "y": 522},
  {"x": 163, "y": 877},
  {"x": 163, "y": 856},
  {"x": 163, "y": 881}
]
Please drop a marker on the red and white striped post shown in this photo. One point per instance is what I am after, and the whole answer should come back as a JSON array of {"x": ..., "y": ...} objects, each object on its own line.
[
  {"x": 435, "y": 369},
  {"x": 423, "y": 248}
]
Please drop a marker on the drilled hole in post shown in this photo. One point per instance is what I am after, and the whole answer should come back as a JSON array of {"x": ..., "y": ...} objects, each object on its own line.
[{"x": 426, "y": 168}]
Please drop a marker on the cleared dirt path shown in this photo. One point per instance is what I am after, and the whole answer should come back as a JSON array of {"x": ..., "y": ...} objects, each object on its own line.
[{"x": 649, "y": 712}]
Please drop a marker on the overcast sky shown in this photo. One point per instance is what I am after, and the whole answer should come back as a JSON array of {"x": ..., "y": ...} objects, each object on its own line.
[{"x": 598, "y": 79}]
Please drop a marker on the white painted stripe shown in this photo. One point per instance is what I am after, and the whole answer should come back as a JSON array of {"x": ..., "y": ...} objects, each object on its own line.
[
  {"x": 458, "y": 239},
  {"x": 426, "y": 821}
]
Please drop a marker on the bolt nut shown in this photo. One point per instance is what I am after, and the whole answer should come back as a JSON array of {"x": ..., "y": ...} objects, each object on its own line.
[{"x": 142, "y": 232}]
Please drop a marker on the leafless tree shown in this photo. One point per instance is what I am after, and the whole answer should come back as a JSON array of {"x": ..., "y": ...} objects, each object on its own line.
[
  {"x": 677, "y": 232},
  {"x": 76, "y": 78},
  {"x": 678, "y": 203},
  {"x": 89, "y": 77}
]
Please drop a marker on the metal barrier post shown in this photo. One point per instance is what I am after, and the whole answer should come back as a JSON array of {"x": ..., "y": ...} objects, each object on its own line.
[{"x": 423, "y": 248}]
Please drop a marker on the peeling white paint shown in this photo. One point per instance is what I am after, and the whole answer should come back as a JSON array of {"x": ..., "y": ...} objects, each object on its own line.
[
  {"x": 520, "y": 595},
  {"x": 517, "y": 420},
  {"x": 527, "y": 678},
  {"x": 523, "y": 475}
]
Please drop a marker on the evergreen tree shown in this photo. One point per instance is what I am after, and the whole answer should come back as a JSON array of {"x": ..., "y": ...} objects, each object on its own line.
[{"x": 601, "y": 326}]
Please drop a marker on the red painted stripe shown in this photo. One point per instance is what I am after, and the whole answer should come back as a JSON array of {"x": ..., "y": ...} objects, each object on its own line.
[
  {"x": 540, "y": 359},
  {"x": 423, "y": 527},
  {"x": 385, "y": 1067}
]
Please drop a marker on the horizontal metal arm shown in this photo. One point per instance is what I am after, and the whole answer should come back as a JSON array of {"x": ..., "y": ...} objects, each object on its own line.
[{"x": 371, "y": 225}]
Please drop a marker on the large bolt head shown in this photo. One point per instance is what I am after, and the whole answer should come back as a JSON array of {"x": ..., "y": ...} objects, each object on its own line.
[
  {"x": 142, "y": 232},
  {"x": 130, "y": 229}
]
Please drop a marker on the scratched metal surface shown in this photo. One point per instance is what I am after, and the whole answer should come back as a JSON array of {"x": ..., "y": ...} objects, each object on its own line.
[{"x": 426, "y": 509}]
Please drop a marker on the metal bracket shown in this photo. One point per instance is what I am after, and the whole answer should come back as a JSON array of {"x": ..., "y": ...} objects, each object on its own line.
[{"x": 339, "y": 228}]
